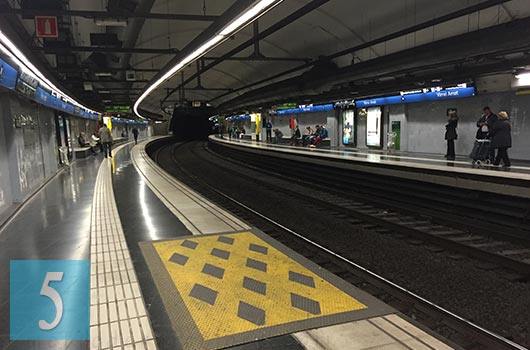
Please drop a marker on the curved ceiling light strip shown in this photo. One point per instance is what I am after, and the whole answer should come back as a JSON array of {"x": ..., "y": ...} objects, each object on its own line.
[
  {"x": 10, "y": 49},
  {"x": 256, "y": 10}
]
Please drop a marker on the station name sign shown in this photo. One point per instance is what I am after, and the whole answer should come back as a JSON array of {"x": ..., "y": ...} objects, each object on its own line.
[
  {"x": 306, "y": 109},
  {"x": 118, "y": 109},
  {"x": 431, "y": 94}
]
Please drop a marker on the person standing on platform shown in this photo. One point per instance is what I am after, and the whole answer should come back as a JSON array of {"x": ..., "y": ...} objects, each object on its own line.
[
  {"x": 106, "y": 139},
  {"x": 501, "y": 139},
  {"x": 135, "y": 135},
  {"x": 295, "y": 139},
  {"x": 484, "y": 125},
  {"x": 268, "y": 127},
  {"x": 451, "y": 135}
]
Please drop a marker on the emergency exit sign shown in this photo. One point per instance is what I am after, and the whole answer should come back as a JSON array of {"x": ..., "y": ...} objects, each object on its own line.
[{"x": 46, "y": 27}]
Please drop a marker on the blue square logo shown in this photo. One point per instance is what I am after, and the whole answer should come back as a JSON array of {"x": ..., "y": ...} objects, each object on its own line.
[{"x": 50, "y": 300}]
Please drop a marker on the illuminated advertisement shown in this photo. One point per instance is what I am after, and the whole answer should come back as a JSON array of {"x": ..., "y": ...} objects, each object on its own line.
[
  {"x": 348, "y": 128},
  {"x": 374, "y": 126}
]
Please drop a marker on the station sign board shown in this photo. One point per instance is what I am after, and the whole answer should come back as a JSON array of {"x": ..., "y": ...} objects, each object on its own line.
[
  {"x": 432, "y": 94},
  {"x": 306, "y": 109},
  {"x": 118, "y": 109},
  {"x": 8, "y": 75}
]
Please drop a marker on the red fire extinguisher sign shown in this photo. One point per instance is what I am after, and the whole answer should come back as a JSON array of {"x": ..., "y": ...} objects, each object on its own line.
[{"x": 46, "y": 27}]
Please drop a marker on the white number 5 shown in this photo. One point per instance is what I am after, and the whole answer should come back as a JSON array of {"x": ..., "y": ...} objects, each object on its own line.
[{"x": 51, "y": 293}]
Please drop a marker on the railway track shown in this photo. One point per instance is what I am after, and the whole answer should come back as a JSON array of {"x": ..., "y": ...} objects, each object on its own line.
[
  {"x": 467, "y": 334},
  {"x": 418, "y": 222}
]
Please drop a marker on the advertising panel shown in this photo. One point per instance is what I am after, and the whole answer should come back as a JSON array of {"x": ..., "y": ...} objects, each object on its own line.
[
  {"x": 348, "y": 129},
  {"x": 374, "y": 127}
]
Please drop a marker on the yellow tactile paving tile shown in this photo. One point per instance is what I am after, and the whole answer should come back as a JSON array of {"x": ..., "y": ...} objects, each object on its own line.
[
  {"x": 221, "y": 290},
  {"x": 272, "y": 288}
]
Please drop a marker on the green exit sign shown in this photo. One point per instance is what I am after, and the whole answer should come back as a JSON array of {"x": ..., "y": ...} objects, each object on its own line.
[{"x": 117, "y": 109}]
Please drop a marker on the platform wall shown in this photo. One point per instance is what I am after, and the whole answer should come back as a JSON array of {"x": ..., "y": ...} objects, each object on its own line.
[
  {"x": 423, "y": 124},
  {"x": 28, "y": 153},
  {"x": 426, "y": 123}
]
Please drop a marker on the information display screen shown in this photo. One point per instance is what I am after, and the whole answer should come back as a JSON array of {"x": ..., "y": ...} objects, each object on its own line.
[
  {"x": 374, "y": 127},
  {"x": 348, "y": 128}
]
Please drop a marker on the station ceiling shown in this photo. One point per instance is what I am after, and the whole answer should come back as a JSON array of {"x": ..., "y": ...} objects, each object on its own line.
[{"x": 297, "y": 44}]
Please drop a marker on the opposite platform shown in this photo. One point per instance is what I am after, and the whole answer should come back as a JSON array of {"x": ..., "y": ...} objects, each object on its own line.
[{"x": 460, "y": 174}]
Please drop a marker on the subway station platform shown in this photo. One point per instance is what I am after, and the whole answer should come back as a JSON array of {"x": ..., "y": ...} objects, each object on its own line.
[
  {"x": 430, "y": 168},
  {"x": 172, "y": 270}
]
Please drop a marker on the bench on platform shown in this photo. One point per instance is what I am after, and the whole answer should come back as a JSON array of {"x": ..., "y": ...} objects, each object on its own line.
[
  {"x": 287, "y": 141},
  {"x": 82, "y": 152}
]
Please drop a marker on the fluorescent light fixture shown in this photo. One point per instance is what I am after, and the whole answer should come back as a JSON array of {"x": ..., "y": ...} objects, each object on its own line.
[
  {"x": 10, "y": 49},
  {"x": 103, "y": 74},
  {"x": 110, "y": 22},
  {"x": 525, "y": 75},
  {"x": 104, "y": 91},
  {"x": 259, "y": 8},
  {"x": 250, "y": 15},
  {"x": 522, "y": 79}
]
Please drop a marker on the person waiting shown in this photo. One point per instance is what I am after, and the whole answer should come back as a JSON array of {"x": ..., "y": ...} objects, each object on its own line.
[
  {"x": 83, "y": 142},
  {"x": 451, "y": 135},
  {"x": 322, "y": 134},
  {"x": 268, "y": 129},
  {"x": 94, "y": 139},
  {"x": 295, "y": 139},
  {"x": 135, "y": 135},
  {"x": 278, "y": 135},
  {"x": 311, "y": 138},
  {"x": 501, "y": 139},
  {"x": 484, "y": 125},
  {"x": 106, "y": 140},
  {"x": 310, "y": 132}
]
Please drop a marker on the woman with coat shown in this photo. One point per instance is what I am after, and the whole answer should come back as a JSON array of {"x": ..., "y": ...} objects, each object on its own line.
[
  {"x": 501, "y": 139},
  {"x": 451, "y": 135}
]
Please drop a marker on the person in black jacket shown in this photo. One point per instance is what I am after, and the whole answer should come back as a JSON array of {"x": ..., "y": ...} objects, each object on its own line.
[
  {"x": 484, "y": 125},
  {"x": 451, "y": 135},
  {"x": 501, "y": 139}
]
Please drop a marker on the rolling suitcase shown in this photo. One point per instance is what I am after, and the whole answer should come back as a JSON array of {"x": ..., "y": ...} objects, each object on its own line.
[{"x": 481, "y": 152}]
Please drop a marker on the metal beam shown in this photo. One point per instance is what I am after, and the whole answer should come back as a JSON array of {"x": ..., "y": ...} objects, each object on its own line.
[
  {"x": 151, "y": 51},
  {"x": 106, "y": 15},
  {"x": 313, "y": 5},
  {"x": 52, "y": 50},
  {"x": 74, "y": 81},
  {"x": 453, "y": 15},
  {"x": 107, "y": 69}
]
